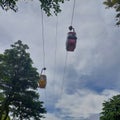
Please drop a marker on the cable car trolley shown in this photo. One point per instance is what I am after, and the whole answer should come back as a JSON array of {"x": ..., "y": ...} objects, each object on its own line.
[
  {"x": 43, "y": 79},
  {"x": 71, "y": 40}
]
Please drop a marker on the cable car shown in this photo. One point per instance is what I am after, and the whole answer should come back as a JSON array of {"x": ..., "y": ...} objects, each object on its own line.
[
  {"x": 71, "y": 40},
  {"x": 43, "y": 80}
]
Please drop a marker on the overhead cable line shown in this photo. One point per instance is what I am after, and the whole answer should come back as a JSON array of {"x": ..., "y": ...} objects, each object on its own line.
[
  {"x": 56, "y": 40},
  {"x": 43, "y": 45},
  {"x": 55, "y": 52},
  {"x": 65, "y": 66},
  {"x": 64, "y": 71},
  {"x": 43, "y": 39},
  {"x": 73, "y": 12}
]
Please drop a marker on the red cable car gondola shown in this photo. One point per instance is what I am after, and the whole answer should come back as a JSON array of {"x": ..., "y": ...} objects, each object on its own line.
[{"x": 71, "y": 40}]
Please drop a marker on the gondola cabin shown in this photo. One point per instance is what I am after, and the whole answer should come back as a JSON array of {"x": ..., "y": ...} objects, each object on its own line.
[
  {"x": 71, "y": 41},
  {"x": 43, "y": 81}
]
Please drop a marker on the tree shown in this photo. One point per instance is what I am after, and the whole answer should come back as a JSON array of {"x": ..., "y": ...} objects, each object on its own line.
[
  {"x": 18, "y": 85},
  {"x": 111, "y": 109},
  {"x": 46, "y": 5},
  {"x": 116, "y": 5}
]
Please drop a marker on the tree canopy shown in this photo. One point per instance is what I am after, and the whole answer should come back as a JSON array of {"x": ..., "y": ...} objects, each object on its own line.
[
  {"x": 47, "y": 5},
  {"x": 116, "y": 5},
  {"x": 111, "y": 109},
  {"x": 18, "y": 85}
]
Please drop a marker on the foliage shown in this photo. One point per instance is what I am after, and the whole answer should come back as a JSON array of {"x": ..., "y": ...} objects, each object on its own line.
[
  {"x": 18, "y": 85},
  {"x": 111, "y": 109},
  {"x": 3, "y": 118},
  {"x": 46, "y": 5},
  {"x": 116, "y": 5}
]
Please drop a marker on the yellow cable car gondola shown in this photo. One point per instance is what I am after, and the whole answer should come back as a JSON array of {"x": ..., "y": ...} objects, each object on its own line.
[{"x": 43, "y": 80}]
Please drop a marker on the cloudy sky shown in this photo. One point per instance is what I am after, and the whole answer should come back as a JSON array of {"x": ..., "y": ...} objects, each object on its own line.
[{"x": 77, "y": 82}]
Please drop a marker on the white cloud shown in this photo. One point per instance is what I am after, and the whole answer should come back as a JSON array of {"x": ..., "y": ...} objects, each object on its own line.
[
  {"x": 83, "y": 103},
  {"x": 51, "y": 116}
]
